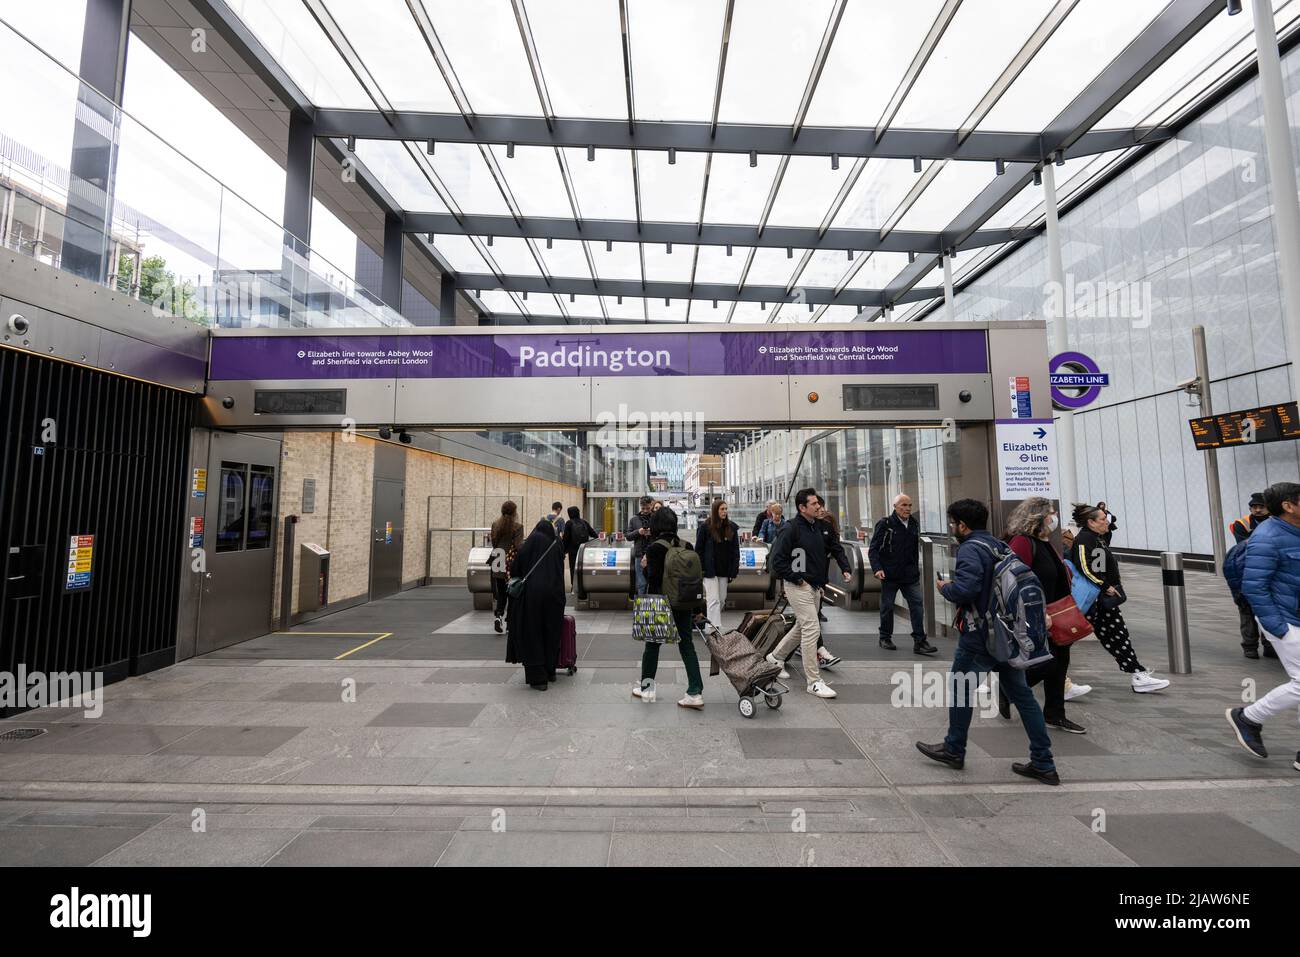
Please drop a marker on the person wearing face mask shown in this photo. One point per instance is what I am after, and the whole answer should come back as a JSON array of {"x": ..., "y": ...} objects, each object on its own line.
[
  {"x": 1094, "y": 560},
  {"x": 1029, "y": 534}
]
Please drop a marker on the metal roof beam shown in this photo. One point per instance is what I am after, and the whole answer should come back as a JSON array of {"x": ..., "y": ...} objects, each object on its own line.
[
  {"x": 776, "y": 237},
  {"x": 729, "y": 137},
  {"x": 555, "y": 285}
]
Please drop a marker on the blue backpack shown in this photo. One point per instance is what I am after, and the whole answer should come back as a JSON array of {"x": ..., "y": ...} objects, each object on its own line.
[
  {"x": 1017, "y": 613},
  {"x": 1234, "y": 564}
]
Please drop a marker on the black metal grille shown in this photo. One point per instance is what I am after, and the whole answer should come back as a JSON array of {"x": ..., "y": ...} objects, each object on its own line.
[{"x": 115, "y": 470}]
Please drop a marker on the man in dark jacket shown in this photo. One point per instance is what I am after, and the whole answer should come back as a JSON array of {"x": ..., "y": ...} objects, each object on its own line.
[
  {"x": 1241, "y": 529},
  {"x": 801, "y": 558},
  {"x": 895, "y": 553},
  {"x": 1271, "y": 583},
  {"x": 971, "y": 590},
  {"x": 638, "y": 533},
  {"x": 763, "y": 516}
]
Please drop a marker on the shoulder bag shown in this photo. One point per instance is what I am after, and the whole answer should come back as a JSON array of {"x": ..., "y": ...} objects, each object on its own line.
[{"x": 515, "y": 586}]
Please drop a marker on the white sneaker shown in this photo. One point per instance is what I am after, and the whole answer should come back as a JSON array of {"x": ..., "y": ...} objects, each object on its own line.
[
  {"x": 1073, "y": 691},
  {"x": 825, "y": 659},
  {"x": 695, "y": 701},
  {"x": 771, "y": 659},
  {"x": 1144, "y": 681},
  {"x": 821, "y": 689},
  {"x": 647, "y": 696}
]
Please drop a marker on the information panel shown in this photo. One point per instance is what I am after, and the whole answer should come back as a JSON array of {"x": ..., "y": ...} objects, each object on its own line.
[
  {"x": 1274, "y": 423},
  {"x": 1026, "y": 458}
]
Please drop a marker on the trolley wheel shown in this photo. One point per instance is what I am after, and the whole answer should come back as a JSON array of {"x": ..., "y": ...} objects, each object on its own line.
[
  {"x": 773, "y": 701},
  {"x": 746, "y": 706},
  {"x": 573, "y": 670}
]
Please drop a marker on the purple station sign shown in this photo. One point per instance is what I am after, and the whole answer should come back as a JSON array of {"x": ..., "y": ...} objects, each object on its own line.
[{"x": 821, "y": 352}]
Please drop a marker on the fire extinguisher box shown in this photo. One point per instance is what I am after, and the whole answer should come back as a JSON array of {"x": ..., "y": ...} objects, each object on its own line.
[{"x": 313, "y": 577}]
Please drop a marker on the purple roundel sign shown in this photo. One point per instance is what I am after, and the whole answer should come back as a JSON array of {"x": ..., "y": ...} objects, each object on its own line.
[{"x": 1076, "y": 380}]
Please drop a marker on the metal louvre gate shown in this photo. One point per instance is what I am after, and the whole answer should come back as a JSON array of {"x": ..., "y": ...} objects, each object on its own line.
[{"x": 92, "y": 471}]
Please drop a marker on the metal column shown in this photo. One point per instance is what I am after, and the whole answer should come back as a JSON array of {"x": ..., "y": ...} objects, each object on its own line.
[
  {"x": 949, "y": 307},
  {"x": 1282, "y": 180},
  {"x": 1212, "y": 490},
  {"x": 447, "y": 300},
  {"x": 1060, "y": 341},
  {"x": 93, "y": 165},
  {"x": 391, "y": 275},
  {"x": 298, "y": 171},
  {"x": 1180, "y": 647}
]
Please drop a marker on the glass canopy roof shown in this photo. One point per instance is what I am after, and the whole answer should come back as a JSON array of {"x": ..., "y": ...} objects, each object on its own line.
[{"x": 716, "y": 76}]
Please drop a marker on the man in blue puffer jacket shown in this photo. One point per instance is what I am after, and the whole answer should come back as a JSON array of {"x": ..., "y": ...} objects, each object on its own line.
[{"x": 1271, "y": 583}]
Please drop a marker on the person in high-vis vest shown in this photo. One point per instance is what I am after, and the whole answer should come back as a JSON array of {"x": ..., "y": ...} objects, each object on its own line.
[{"x": 1241, "y": 529}]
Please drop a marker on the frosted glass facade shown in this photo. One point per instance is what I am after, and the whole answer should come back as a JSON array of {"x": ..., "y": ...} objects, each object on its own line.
[{"x": 1190, "y": 227}]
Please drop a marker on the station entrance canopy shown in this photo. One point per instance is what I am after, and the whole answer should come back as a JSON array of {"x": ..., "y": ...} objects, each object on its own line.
[{"x": 573, "y": 377}]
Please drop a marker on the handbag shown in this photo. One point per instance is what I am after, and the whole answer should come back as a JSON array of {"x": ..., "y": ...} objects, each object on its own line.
[
  {"x": 515, "y": 586},
  {"x": 1068, "y": 623},
  {"x": 652, "y": 620},
  {"x": 1107, "y": 602}
]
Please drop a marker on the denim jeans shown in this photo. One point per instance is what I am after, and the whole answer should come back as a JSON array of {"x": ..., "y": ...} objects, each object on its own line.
[
  {"x": 1013, "y": 684},
  {"x": 641, "y": 583},
  {"x": 915, "y": 606}
]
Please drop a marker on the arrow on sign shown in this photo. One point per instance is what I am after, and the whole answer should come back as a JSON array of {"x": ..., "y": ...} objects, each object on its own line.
[{"x": 1041, "y": 433}]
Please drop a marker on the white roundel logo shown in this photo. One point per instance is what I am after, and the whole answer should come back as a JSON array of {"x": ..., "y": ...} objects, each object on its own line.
[
  {"x": 762, "y": 349},
  {"x": 301, "y": 354}
]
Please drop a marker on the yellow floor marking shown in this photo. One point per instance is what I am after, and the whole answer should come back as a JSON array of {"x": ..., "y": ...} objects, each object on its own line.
[{"x": 342, "y": 634}]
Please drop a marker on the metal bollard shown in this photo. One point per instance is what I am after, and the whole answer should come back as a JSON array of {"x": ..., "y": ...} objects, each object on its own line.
[{"x": 1180, "y": 648}]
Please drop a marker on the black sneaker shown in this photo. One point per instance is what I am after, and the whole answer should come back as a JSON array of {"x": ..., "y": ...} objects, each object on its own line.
[
  {"x": 1296, "y": 763},
  {"x": 822, "y": 618},
  {"x": 1252, "y": 653},
  {"x": 1068, "y": 726},
  {"x": 1004, "y": 705},
  {"x": 1249, "y": 734},
  {"x": 939, "y": 752},
  {"x": 496, "y": 623},
  {"x": 1269, "y": 650},
  {"x": 888, "y": 643},
  {"x": 1029, "y": 771},
  {"x": 924, "y": 648}
]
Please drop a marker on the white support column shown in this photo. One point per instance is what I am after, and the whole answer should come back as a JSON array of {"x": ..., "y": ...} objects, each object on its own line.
[
  {"x": 1282, "y": 180},
  {"x": 949, "y": 307},
  {"x": 1067, "y": 475}
]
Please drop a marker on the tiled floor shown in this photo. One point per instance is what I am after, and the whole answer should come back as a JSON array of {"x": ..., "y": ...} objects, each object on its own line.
[{"x": 425, "y": 748}]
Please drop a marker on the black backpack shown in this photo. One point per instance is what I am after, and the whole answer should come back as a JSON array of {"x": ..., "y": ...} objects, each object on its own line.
[{"x": 580, "y": 532}]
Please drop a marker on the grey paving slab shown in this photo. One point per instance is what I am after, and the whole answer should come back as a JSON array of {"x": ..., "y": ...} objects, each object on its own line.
[
  {"x": 233, "y": 741},
  {"x": 424, "y": 715},
  {"x": 881, "y": 849},
  {"x": 1193, "y": 840},
  {"x": 694, "y": 826},
  {"x": 502, "y": 772},
  {"x": 73, "y": 738},
  {"x": 768, "y": 742},
  {"x": 1008, "y": 740},
  {"x": 1281, "y": 825},
  {"x": 633, "y": 849},
  {"x": 526, "y": 849},
  {"x": 484, "y": 675},
  {"x": 106, "y": 818},
  {"x": 982, "y": 842},
  {"x": 365, "y": 771},
  {"x": 181, "y": 847},
  {"x": 61, "y": 846},
  {"x": 324, "y": 692},
  {"x": 412, "y": 847}
]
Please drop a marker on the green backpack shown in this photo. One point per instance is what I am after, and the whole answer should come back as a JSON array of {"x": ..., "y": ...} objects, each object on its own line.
[{"x": 683, "y": 577}]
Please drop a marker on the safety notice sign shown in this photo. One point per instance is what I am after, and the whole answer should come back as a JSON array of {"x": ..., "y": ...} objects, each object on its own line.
[
  {"x": 81, "y": 550},
  {"x": 1026, "y": 458},
  {"x": 199, "y": 483}
]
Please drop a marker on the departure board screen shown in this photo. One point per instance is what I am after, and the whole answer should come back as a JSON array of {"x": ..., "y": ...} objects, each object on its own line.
[
  {"x": 1288, "y": 422},
  {"x": 1205, "y": 433},
  {"x": 1274, "y": 423},
  {"x": 300, "y": 401},
  {"x": 1248, "y": 427}
]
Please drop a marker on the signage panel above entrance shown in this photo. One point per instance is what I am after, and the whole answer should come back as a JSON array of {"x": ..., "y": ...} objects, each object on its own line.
[{"x": 563, "y": 354}]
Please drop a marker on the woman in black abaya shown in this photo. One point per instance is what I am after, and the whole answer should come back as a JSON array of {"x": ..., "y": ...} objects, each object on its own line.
[{"x": 536, "y": 617}]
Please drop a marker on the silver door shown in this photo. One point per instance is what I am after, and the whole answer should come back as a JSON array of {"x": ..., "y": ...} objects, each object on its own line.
[
  {"x": 239, "y": 536},
  {"x": 386, "y": 538}
]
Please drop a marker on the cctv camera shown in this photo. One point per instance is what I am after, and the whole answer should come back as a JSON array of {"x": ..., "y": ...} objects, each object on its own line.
[
  {"x": 19, "y": 324},
  {"x": 1191, "y": 386},
  {"x": 964, "y": 395},
  {"x": 228, "y": 402}
]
